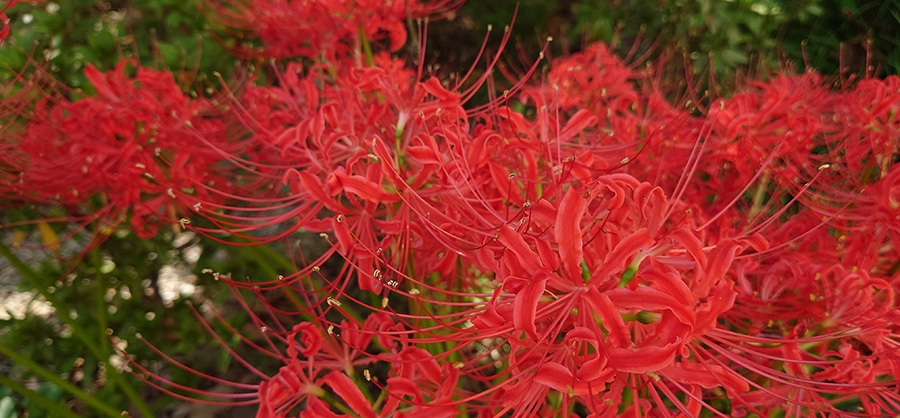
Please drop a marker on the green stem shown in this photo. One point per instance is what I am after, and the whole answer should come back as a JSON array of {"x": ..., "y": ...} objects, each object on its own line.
[
  {"x": 56, "y": 409},
  {"x": 367, "y": 48},
  {"x": 102, "y": 321},
  {"x": 759, "y": 195},
  {"x": 100, "y": 352},
  {"x": 34, "y": 281},
  {"x": 56, "y": 380},
  {"x": 271, "y": 256}
]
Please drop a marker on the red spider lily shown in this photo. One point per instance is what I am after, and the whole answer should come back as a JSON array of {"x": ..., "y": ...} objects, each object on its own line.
[
  {"x": 592, "y": 257},
  {"x": 818, "y": 336},
  {"x": 320, "y": 142},
  {"x": 313, "y": 360},
  {"x": 636, "y": 286},
  {"x": 136, "y": 144},
  {"x": 322, "y": 30},
  {"x": 331, "y": 361},
  {"x": 867, "y": 115}
]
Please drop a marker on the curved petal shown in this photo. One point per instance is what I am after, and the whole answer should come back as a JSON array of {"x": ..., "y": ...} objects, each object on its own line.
[
  {"x": 568, "y": 231},
  {"x": 354, "y": 398}
]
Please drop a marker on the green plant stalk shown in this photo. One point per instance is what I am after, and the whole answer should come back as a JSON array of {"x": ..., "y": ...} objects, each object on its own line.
[
  {"x": 367, "y": 48},
  {"x": 57, "y": 409},
  {"x": 34, "y": 281},
  {"x": 101, "y": 298},
  {"x": 270, "y": 255},
  {"x": 56, "y": 380},
  {"x": 758, "y": 195}
]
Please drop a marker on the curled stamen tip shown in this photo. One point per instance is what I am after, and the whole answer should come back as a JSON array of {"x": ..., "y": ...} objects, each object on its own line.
[
  {"x": 367, "y": 375},
  {"x": 824, "y": 167},
  {"x": 109, "y": 332},
  {"x": 139, "y": 336},
  {"x": 263, "y": 328},
  {"x": 413, "y": 292},
  {"x": 384, "y": 303},
  {"x": 333, "y": 302},
  {"x": 490, "y": 27},
  {"x": 549, "y": 39}
]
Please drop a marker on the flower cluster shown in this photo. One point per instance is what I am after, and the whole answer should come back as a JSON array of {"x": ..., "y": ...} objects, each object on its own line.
[
  {"x": 138, "y": 144},
  {"x": 579, "y": 245},
  {"x": 320, "y": 29}
]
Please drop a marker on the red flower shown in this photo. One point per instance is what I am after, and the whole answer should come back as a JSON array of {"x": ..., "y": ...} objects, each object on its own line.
[
  {"x": 322, "y": 29},
  {"x": 141, "y": 143}
]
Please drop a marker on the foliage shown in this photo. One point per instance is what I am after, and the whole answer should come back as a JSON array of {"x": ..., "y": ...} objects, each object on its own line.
[
  {"x": 734, "y": 34},
  {"x": 66, "y": 36}
]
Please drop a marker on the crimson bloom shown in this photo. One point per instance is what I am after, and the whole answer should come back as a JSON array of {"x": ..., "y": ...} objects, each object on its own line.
[
  {"x": 323, "y": 30},
  {"x": 136, "y": 144},
  {"x": 600, "y": 253}
]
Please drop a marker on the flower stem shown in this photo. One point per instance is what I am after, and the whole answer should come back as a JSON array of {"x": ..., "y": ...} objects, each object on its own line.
[
  {"x": 101, "y": 352},
  {"x": 51, "y": 377}
]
